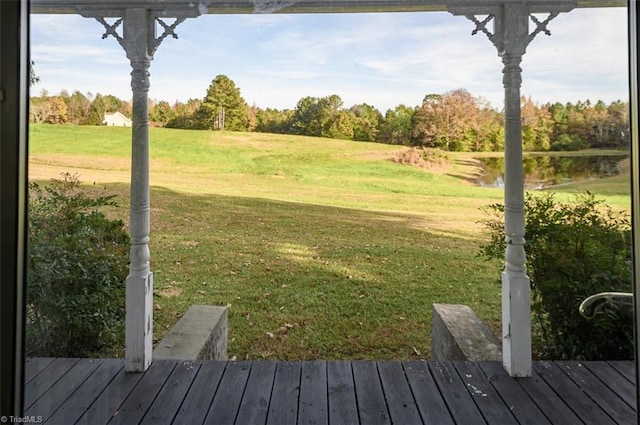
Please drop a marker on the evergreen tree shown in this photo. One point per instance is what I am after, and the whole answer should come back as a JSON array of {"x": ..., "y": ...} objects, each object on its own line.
[{"x": 223, "y": 108}]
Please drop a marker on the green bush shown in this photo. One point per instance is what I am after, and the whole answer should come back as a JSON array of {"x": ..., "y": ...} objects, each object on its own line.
[
  {"x": 77, "y": 267},
  {"x": 574, "y": 250},
  {"x": 568, "y": 142}
]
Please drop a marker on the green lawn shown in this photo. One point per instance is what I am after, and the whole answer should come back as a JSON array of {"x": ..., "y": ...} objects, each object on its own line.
[{"x": 321, "y": 248}]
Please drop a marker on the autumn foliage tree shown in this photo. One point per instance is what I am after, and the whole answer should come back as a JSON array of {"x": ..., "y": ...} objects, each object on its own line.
[
  {"x": 48, "y": 109},
  {"x": 185, "y": 115},
  {"x": 536, "y": 126},
  {"x": 449, "y": 121}
]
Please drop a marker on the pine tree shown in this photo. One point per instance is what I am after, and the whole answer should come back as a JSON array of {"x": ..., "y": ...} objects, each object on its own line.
[{"x": 223, "y": 108}]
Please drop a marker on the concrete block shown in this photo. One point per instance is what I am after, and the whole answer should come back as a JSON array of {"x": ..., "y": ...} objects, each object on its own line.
[
  {"x": 459, "y": 334},
  {"x": 200, "y": 334}
]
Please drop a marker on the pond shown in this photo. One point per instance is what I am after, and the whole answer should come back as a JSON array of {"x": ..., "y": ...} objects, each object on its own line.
[{"x": 543, "y": 171}]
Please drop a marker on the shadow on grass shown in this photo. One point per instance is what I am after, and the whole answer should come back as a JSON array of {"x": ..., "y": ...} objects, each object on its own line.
[
  {"x": 469, "y": 177},
  {"x": 307, "y": 281}
]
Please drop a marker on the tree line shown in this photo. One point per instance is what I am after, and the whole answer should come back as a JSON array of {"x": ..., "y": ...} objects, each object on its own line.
[{"x": 454, "y": 121}]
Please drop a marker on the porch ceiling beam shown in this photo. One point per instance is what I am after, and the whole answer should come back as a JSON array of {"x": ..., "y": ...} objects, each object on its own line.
[{"x": 115, "y": 7}]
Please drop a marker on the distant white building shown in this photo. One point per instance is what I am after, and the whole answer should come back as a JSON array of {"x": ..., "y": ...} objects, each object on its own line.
[{"x": 116, "y": 119}]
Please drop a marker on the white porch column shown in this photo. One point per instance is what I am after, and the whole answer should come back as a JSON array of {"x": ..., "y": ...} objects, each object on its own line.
[
  {"x": 511, "y": 37},
  {"x": 516, "y": 293},
  {"x": 139, "y": 284},
  {"x": 139, "y": 41}
]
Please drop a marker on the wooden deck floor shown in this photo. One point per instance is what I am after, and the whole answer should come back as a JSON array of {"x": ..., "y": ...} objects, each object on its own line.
[{"x": 97, "y": 391}]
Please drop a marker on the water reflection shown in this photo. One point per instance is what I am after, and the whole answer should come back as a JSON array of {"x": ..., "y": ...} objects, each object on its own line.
[{"x": 546, "y": 171}]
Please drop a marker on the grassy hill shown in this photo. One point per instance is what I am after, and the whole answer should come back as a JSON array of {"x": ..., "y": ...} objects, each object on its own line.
[{"x": 321, "y": 248}]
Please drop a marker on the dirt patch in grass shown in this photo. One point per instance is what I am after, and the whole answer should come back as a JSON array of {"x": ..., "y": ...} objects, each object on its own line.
[
  {"x": 170, "y": 292},
  {"x": 76, "y": 161},
  {"x": 380, "y": 155}
]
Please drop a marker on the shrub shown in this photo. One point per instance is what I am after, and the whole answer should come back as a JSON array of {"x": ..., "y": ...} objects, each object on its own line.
[
  {"x": 424, "y": 157},
  {"x": 77, "y": 267},
  {"x": 574, "y": 250}
]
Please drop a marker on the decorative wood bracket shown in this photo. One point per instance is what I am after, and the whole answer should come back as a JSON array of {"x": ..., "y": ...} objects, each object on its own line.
[
  {"x": 497, "y": 39},
  {"x": 168, "y": 30},
  {"x": 111, "y": 29},
  {"x": 481, "y": 26},
  {"x": 154, "y": 23},
  {"x": 509, "y": 33}
]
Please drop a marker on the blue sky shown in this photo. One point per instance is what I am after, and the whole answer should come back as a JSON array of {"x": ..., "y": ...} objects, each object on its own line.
[{"x": 380, "y": 59}]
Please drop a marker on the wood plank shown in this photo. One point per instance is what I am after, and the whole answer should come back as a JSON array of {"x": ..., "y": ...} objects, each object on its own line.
[
  {"x": 139, "y": 400},
  {"x": 110, "y": 400},
  {"x": 254, "y": 406},
  {"x": 200, "y": 396},
  {"x": 517, "y": 399},
  {"x": 165, "y": 407},
  {"x": 608, "y": 401},
  {"x": 226, "y": 402},
  {"x": 552, "y": 405},
  {"x": 493, "y": 408},
  {"x": 429, "y": 401},
  {"x": 460, "y": 404},
  {"x": 94, "y": 392},
  {"x": 35, "y": 365},
  {"x": 283, "y": 408},
  {"x": 626, "y": 368},
  {"x": 314, "y": 404},
  {"x": 614, "y": 380},
  {"x": 571, "y": 394},
  {"x": 400, "y": 402},
  {"x": 372, "y": 406},
  {"x": 55, "y": 396},
  {"x": 341, "y": 393},
  {"x": 46, "y": 379},
  {"x": 87, "y": 393}
]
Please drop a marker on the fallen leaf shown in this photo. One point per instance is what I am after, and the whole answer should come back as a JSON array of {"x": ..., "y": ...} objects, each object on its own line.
[{"x": 415, "y": 350}]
